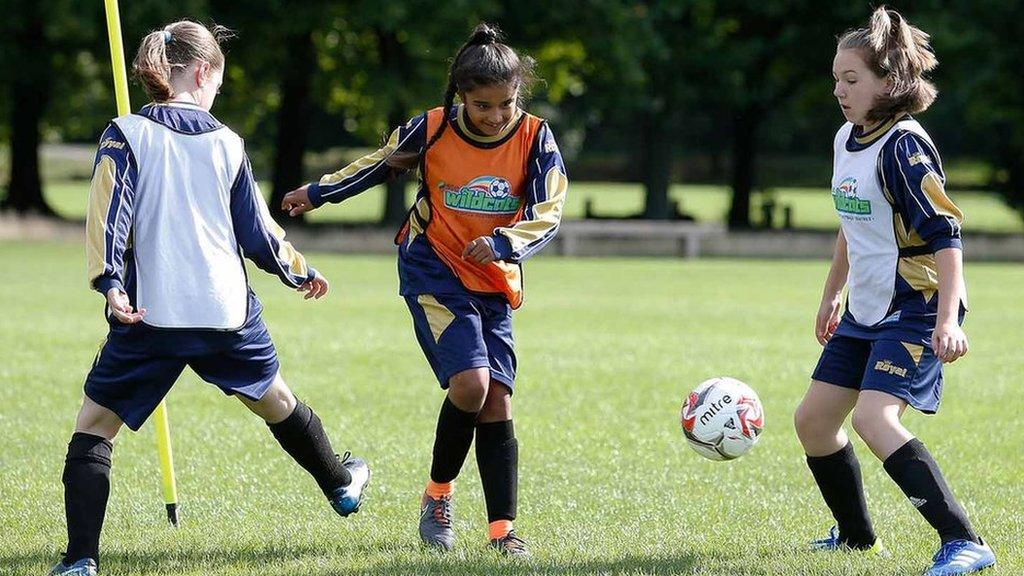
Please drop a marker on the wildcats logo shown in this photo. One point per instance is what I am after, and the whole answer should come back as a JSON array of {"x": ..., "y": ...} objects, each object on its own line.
[
  {"x": 483, "y": 195},
  {"x": 846, "y": 200}
]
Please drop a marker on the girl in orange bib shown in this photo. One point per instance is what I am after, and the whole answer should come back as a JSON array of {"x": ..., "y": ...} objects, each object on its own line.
[{"x": 492, "y": 185}]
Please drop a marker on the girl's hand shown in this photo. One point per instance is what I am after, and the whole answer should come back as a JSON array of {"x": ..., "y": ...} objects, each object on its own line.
[
  {"x": 297, "y": 201},
  {"x": 121, "y": 308},
  {"x": 316, "y": 288},
  {"x": 480, "y": 251},
  {"x": 949, "y": 342},
  {"x": 827, "y": 320}
]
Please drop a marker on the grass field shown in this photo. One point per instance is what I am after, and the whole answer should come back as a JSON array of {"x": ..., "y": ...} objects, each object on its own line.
[
  {"x": 607, "y": 350},
  {"x": 811, "y": 207}
]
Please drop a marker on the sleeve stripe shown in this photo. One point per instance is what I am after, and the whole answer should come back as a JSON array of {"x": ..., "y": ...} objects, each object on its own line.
[
  {"x": 935, "y": 194},
  {"x": 529, "y": 235},
  {"x": 369, "y": 163},
  {"x": 289, "y": 261},
  {"x": 935, "y": 204},
  {"x": 101, "y": 194}
]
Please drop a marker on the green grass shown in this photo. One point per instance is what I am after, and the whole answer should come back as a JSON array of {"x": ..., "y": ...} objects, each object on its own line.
[
  {"x": 607, "y": 348},
  {"x": 812, "y": 208}
]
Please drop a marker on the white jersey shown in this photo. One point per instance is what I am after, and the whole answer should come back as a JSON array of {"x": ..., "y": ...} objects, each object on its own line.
[
  {"x": 173, "y": 188},
  {"x": 887, "y": 191}
]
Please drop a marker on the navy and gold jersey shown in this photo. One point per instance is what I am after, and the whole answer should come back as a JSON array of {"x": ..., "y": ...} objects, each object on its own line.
[
  {"x": 509, "y": 187},
  {"x": 888, "y": 190}
]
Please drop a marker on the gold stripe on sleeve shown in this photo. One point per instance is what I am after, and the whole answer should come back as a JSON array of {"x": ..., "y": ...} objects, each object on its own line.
[
  {"x": 101, "y": 193},
  {"x": 547, "y": 214},
  {"x": 362, "y": 163},
  {"x": 935, "y": 192}
]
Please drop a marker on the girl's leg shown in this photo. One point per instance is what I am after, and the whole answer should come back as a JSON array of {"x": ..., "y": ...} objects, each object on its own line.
[
  {"x": 87, "y": 479},
  {"x": 820, "y": 416},
  {"x": 300, "y": 432},
  {"x": 467, "y": 391},
  {"x": 876, "y": 419},
  {"x": 497, "y": 457},
  {"x": 830, "y": 456}
]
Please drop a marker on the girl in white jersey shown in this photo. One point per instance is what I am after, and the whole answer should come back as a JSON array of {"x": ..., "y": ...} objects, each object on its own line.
[
  {"x": 172, "y": 209},
  {"x": 899, "y": 252}
]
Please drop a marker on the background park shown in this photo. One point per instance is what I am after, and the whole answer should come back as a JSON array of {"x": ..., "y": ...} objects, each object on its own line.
[{"x": 692, "y": 112}]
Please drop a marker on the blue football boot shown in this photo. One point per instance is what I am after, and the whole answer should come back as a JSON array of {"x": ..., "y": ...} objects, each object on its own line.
[
  {"x": 961, "y": 557},
  {"x": 84, "y": 567},
  {"x": 347, "y": 499},
  {"x": 831, "y": 543}
]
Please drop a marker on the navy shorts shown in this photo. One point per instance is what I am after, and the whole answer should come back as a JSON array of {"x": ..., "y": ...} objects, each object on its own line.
[
  {"x": 462, "y": 331},
  {"x": 908, "y": 371},
  {"x": 137, "y": 365}
]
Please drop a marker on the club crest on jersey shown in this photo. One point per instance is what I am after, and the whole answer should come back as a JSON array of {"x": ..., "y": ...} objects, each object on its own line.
[
  {"x": 482, "y": 195},
  {"x": 846, "y": 200}
]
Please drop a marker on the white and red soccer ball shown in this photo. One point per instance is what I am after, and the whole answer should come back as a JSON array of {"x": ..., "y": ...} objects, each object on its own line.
[{"x": 722, "y": 418}]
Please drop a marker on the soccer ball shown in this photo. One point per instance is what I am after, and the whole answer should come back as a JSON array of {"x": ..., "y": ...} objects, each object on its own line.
[
  {"x": 500, "y": 188},
  {"x": 722, "y": 418}
]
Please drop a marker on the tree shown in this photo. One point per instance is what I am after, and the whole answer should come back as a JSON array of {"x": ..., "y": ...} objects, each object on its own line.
[
  {"x": 774, "y": 50},
  {"x": 982, "y": 65},
  {"x": 27, "y": 71}
]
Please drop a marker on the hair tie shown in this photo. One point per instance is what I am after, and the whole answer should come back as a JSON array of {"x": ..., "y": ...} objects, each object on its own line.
[{"x": 167, "y": 36}]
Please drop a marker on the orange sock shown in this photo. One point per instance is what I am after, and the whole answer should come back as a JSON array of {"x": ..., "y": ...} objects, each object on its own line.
[
  {"x": 438, "y": 489},
  {"x": 499, "y": 528}
]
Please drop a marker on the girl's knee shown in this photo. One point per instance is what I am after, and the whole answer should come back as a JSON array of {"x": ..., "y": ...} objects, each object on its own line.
[
  {"x": 97, "y": 420},
  {"x": 277, "y": 402},
  {"x": 468, "y": 389}
]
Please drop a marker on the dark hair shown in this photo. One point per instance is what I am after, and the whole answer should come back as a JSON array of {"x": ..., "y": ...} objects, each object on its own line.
[
  {"x": 172, "y": 48},
  {"x": 895, "y": 50},
  {"x": 482, "y": 61}
]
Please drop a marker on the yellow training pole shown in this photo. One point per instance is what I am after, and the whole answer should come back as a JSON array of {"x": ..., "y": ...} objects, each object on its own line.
[{"x": 163, "y": 430}]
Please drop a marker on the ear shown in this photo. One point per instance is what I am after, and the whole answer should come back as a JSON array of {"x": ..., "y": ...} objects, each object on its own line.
[
  {"x": 203, "y": 70},
  {"x": 462, "y": 96}
]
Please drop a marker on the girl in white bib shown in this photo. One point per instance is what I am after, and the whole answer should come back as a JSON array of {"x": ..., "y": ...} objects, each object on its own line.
[{"x": 899, "y": 253}]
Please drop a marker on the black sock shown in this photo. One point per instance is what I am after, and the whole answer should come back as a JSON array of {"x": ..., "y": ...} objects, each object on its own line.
[
  {"x": 917, "y": 474},
  {"x": 451, "y": 441},
  {"x": 86, "y": 489},
  {"x": 838, "y": 478},
  {"x": 497, "y": 456},
  {"x": 302, "y": 436}
]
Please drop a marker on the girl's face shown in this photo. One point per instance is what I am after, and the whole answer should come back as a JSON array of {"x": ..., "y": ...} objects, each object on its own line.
[
  {"x": 491, "y": 108},
  {"x": 857, "y": 86}
]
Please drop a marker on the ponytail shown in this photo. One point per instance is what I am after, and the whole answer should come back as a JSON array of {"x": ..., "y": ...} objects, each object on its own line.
[
  {"x": 151, "y": 67},
  {"x": 483, "y": 60},
  {"x": 175, "y": 47},
  {"x": 894, "y": 49}
]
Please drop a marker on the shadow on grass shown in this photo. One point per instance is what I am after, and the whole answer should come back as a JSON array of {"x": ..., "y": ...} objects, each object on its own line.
[
  {"x": 629, "y": 564},
  {"x": 404, "y": 559}
]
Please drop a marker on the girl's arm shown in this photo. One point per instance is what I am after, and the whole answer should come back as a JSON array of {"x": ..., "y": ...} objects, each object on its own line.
[
  {"x": 361, "y": 175},
  {"x": 827, "y": 320},
  {"x": 261, "y": 239},
  {"x": 108, "y": 222},
  {"x": 547, "y": 186},
  {"x": 949, "y": 341},
  {"x": 911, "y": 172}
]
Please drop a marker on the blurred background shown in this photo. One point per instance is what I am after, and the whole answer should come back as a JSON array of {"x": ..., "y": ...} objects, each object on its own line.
[{"x": 719, "y": 112}]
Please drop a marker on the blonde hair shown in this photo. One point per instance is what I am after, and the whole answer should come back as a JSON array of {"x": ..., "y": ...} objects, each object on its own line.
[
  {"x": 173, "y": 48},
  {"x": 899, "y": 52}
]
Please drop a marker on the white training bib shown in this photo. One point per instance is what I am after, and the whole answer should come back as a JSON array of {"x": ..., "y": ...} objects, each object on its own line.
[
  {"x": 189, "y": 268},
  {"x": 866, "y": 217}
]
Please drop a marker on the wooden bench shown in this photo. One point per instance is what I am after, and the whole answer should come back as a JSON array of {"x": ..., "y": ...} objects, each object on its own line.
[{"x": 689, "y": 234}]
